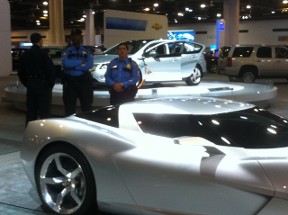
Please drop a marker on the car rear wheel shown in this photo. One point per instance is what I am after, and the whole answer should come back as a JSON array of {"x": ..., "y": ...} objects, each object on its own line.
[
  {"x": 248, "y": 76},
  {"x": 65, "y": 181},
  {"x": 195, "y": 77}
]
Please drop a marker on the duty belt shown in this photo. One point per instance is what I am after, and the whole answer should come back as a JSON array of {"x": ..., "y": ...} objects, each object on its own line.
[{"x": 37, "y": 76}]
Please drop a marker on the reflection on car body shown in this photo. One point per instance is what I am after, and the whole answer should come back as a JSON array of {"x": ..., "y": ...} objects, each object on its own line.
[
  {"x": 161, "y": 156},
  {"x": 159, "y": 61}
]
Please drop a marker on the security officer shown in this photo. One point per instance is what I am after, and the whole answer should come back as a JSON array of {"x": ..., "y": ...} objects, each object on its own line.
[
  {"x": 121, "y": 76},
  {"x": 37, "y": 73},
  {"x": 77, "y": 81}
]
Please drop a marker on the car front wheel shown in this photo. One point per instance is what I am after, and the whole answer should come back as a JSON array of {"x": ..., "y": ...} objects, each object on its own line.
[
  {"x": 65, "y": 181},
  {"x": 195, "y": 77}
]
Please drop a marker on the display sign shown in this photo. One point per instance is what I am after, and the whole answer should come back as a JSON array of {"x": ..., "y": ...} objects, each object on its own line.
[
  {"x": 25, "y": 44},
  {"x": 181, "y": 35}
]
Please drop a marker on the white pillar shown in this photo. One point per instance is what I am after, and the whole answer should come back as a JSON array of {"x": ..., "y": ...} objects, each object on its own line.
[
  {"x": 5, "y": 38},
  {"x": 231, "y": 17},
  {"x": 56, "y": 23},
  {"x": 89, "y": 28}
]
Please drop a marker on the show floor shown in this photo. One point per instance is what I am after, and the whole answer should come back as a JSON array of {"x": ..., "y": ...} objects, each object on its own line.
[{"x": 16, "y": 190}]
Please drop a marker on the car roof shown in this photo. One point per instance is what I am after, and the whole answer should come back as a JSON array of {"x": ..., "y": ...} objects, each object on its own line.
[
  {"x": 186, "y": 105},
  {"x": 257, "y": 45}
]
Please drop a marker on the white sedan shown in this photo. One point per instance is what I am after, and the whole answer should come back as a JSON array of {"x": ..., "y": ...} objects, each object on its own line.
[{"x": 159, "y": 61}]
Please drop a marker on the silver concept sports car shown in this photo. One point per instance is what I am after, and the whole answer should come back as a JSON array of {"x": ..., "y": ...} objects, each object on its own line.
[{"x": 161, "y": 156}]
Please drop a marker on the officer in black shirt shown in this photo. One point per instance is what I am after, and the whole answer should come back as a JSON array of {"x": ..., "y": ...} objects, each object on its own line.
[
  {"x": 37, "y": 73},
  {"x": 77, "y": 84}
]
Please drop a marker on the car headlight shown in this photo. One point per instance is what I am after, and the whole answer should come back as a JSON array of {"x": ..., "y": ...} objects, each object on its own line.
[{"x": 104, "y": 66}]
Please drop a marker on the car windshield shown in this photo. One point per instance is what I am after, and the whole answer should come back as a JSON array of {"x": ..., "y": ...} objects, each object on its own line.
[
  {"x": 105, "y": 115},
  {"x": 133, "y": 47},
  {"x": 251, "y": 128}
]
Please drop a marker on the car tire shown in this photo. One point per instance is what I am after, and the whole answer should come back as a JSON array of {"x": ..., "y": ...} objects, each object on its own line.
[
  {"x": 248, "y": 76},
  {"x": 65, "y": 181},
  {"x": 195, "y": 77},
  {"x": 141, "y": 80}
]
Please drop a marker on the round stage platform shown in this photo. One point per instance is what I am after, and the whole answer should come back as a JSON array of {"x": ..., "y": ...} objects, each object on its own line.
[{"x": 259, "y": 94}]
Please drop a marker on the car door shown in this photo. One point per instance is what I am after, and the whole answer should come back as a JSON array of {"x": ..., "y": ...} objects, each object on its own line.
[
  {"x": 265, "y": 62},
  {"x": 191, "y": 53},
  {"x": 280, "y": 60},
  {"x": 162, "y": 65},
  {"x": 172, "y": 176}
]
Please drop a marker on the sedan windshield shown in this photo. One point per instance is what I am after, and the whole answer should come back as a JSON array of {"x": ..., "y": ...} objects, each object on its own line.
[
  {"x": 251, "y": 128},
  {"x": 133, "y": 47}
]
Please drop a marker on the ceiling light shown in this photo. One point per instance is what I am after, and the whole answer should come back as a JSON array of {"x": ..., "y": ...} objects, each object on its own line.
[
  {"x": 180, "y": 14},
  {"x": 285, "y": 2},
  {"x": 146, "y": 9},
  {"x": 81, "y": 20},
  {"x": 155, "y": 4},
  {"x": 203, "y": 5},
  {"x": 45, "y": 3}
]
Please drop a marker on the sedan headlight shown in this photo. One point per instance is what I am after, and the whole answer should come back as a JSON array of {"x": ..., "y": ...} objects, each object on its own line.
[{"x": 104, "y": 66}]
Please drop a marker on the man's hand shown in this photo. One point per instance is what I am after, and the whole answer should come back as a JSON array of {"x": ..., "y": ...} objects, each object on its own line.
[{"x": 118, "y": 87}]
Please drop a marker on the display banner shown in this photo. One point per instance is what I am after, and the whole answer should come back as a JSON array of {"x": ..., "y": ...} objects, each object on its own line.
[{"x": 121, "y": 26}]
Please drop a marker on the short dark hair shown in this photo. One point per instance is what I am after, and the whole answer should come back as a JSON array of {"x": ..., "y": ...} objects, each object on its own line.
[
  {"x": 35, "y": 38},
  {"x": 76, "y": 31},
  {"x": 123, "y": 44}
]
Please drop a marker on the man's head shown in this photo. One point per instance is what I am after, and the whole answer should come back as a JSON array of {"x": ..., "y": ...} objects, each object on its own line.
[
  {"x": 76, "y": 36},
  {"x": 36, "y": 39},
  {"x": 122, "y": 50}
]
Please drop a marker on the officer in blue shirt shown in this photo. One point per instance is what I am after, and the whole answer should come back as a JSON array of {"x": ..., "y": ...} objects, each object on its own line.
[
  {"x": 122, "y": 76},
  {"x": 77, "y": 81}
]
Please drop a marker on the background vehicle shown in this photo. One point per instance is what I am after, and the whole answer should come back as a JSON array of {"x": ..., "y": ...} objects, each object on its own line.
[
  {"x": 159, "y": 61},
  {"x": 54, "y": 52},
  {"x": 248, "y": 62},
  {"x": 211, "y": 58},
  {"x": 161, "y": 156},
  {"x": 16, "y": 54}
]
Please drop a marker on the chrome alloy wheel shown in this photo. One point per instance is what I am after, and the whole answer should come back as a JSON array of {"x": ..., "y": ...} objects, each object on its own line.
[
  {"x": 195, "y": 77},
  {"x": 62, "y": 183}
]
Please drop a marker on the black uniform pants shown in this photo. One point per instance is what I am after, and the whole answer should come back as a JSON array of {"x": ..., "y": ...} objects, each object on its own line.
[
  {"x": 128, "y": 95},
  {"x": 38, "y": 103},
  {"x": 77, "y": 88}
]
